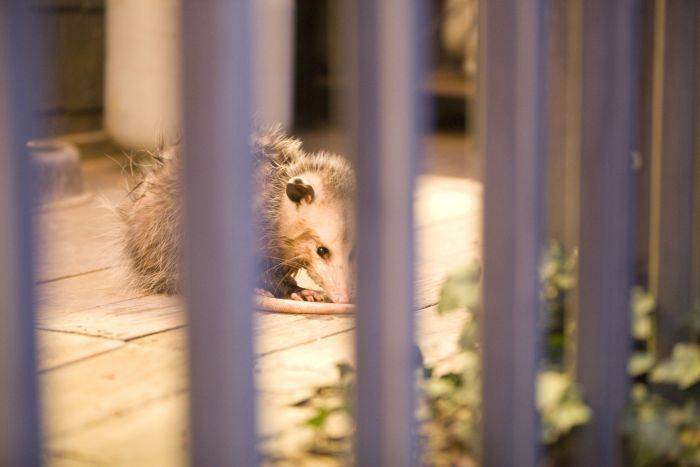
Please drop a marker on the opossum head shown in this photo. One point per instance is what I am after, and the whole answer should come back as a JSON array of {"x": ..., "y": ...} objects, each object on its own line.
[{"x": 315, "y": 225}]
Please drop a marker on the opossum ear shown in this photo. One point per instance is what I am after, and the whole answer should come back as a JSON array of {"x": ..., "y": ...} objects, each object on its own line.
[{"x": 298, "y": 190}]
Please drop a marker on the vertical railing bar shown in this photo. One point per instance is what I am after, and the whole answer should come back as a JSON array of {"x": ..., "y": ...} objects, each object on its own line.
[
  {"x": 219, "y": 228},
  {"x": 643, "y": 162},
  {"x": 559, "y": 59},
  {"x": 573, "y": 152},
  {"x": 573, "y": 122},
  {"x": 385, "y": 68},
  {"x": 695, "y": 252},
  {"x": 673, "y": 198},
  {"x": 656, "y": 125},
  {"x": 19, "y": 425},
  {"x": 512, "y": 118},
  {"x": 608, "y": 140}
]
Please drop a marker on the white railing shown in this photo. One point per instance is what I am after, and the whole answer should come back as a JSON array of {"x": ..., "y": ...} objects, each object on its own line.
[
  {"x": 511, "y": 123},
  {"x": 219, "y": 230},
  {"x": 609, "y": 95},
  {"x": 19, "y": 428},
  {"x": 384, "y": 66}
]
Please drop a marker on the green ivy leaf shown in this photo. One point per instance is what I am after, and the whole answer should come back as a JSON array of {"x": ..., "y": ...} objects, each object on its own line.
[
  {"x": 319, "y": 418},
  {"x": 642, "y": 302},
  {"x": 551, "y": 387},
  {"x": 461, "y": 289},
  {"x": 652, "y": 438},
  {"x": 682, "y": 368},
  {"x": 560, "y": 405},
  {"x": 640, "y": 363}
]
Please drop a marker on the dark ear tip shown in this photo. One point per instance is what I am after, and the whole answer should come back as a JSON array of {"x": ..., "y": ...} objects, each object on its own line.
[{"x": 298, "y": 190}]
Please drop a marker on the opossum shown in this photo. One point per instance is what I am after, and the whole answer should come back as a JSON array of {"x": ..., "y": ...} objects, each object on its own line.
[{"x": 304, "y": 202}]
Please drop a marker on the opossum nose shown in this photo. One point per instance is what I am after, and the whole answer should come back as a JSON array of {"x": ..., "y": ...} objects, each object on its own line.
[{"x": 341, "y": 298}]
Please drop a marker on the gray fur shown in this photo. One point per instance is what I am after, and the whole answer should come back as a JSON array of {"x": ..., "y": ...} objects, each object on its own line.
[{"x": 152, "y": 216}]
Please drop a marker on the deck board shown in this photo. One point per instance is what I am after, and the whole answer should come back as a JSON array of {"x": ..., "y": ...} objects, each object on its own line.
[
  {"x": 78, "y": 239},
  {"x": 107, "y": 384},
  {"x": 59, "y": 348},
  {"x": 127, "y": 319}
]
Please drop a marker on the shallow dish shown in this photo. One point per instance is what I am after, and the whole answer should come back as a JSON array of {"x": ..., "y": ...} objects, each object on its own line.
[{"x": 280, "y": 305}]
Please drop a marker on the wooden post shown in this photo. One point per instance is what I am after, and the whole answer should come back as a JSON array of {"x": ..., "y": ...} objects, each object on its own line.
[
  {"x": 19, "y": 427},
  {"x": 511, "y": 141},
  {"x": 672, "y": 171},
  {"x": 646, "y": 119},
  {"x": 608, "y": 139},
  {"x": 384, "y": 65},
  {"x": 695, "y": 283},
  {"x": 219, "y": 243},
  {"x": 564, "y": 113}
]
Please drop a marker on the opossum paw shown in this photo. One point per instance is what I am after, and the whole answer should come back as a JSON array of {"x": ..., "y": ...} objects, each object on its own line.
[
  {"x": 264, "y": 293},
  {"x": 307, "y": 295}
]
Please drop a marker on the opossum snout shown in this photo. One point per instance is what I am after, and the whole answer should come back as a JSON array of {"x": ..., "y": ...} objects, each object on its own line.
[
  {"x": 340, "y": 297},
  {"x": 335, "y": 280},
  {"x": 338, "y": 291}
]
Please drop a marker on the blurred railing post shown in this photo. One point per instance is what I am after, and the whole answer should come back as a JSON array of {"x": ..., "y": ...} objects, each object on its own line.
[
  {"x": 511, "y": 143},
  {"x": 384, "y": 65},
  {"x": 608, "y": 140},
  {"x": 672, "y": 169},
  {"x": 219, "y": 247},
  {"x": 19, "y": 428}
]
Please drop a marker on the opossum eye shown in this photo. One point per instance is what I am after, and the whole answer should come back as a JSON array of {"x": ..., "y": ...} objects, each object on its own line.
[{"x": 322, "y": 251}]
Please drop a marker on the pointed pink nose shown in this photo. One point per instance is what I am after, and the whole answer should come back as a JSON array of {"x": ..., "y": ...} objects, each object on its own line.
[{"x": 340, "y": 298}]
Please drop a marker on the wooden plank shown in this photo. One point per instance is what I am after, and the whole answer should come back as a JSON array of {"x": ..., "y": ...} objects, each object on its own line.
[
  {"x": 68, "y": 459},
  {"x": 106, "y": 385},
  {"x": 439, "y": 199},
  {"x": 77, "y": 240},
  {"x": 126, "y": 319},
  {"x": 647, "y": 121},
  {"x": 384, "y": 67},
  {"x": 273, "y": 332},
  {"x": 219, "y": 242},
  {"x": 670, "y": 272},
  {"x": 293, "y": 373},
  {"x": 448, "y": 231},
  {"x": 82, "y": 292},
  {"x": 60, "y": 348},
  {"x": 19, "y": 430},
  {"x": 695, "y": 283},
  {"x": 608, "y": 139},
  {"x": 154, "y": 434},
  {"x": 511, "y": 136},
  {"x": 564, "y": 121},
  {"x": 97, "y": 406}
]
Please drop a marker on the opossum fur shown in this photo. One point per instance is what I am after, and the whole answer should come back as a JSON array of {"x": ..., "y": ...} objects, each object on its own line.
[{"x": 304, "y": 208}]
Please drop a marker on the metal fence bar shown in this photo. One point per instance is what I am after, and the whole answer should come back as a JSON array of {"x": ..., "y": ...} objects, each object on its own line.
[
  {"x": 563, "y": 99},
  {"x": 670, "y": 272},
  {"x": 219, "y": 248},
  {"x": 646, "y": 123},
  {"x": 695, "y": 252},
  {"x": 511, "y": 138},
  {"x": 385, "y": 70},
  {"x": 19, "y": 429},
  {"x": 608, "y": 140}
]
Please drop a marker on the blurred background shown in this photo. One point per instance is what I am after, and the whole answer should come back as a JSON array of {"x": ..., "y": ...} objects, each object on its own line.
[{"x": 114, "y": 66}]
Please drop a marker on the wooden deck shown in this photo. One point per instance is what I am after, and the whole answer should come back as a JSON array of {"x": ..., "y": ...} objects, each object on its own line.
[{"x": 113, "y": 361}]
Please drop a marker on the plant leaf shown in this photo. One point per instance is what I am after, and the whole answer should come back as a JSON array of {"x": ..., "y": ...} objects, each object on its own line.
[
  {"x": 682, "y": 368},
  {"x": 640, "y": 363}
]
